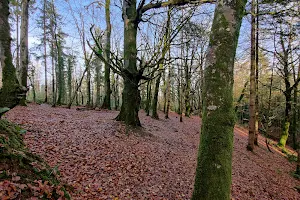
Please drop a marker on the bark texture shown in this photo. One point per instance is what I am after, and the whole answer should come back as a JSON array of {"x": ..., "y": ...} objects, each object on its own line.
[
  {"x": 11, "y": 92},
  {"x": 213, "y": 173},
  {"x": 252, "y": 110},
  {"x": 106, "y": 102},
  {"x": 131, "y": 94},
  {"x": 24, "y": 47}
]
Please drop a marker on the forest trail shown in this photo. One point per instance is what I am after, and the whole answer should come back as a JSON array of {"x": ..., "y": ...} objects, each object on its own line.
[{"x": 97, "y": 158}]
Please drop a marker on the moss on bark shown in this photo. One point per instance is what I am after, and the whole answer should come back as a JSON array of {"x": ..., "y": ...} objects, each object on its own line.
[
  {"x": 131, "y": 102},
  {"x": 131, "y": 94},
  {"x": 11, "y": 92},
  {"x": 284, "y": 135},
  {"x": 213, "y": 173}
]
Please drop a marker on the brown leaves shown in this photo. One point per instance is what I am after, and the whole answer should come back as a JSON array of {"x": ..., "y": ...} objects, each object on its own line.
[
  {"x": 8, "y": 190},
  {"x": 39, "y": 189},
  {"x": 97, "y": 158}
]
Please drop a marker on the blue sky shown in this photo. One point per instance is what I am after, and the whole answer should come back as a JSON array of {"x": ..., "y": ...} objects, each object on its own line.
[{"x": 95, "y": 15}]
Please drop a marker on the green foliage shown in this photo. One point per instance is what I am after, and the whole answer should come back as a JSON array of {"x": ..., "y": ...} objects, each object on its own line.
[
  {"x": 292, "y": 157},
  {"x": 100, "y": 51},
  {"x": 4, "y": 110}
]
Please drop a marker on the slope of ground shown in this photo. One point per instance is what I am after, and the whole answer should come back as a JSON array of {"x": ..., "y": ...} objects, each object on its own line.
[
  {"x": 24, "y": 175},
  {"x": 97, "y": 158}
]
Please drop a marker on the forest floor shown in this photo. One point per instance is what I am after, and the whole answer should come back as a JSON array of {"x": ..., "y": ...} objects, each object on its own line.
[{"x": 100, "y": 161}]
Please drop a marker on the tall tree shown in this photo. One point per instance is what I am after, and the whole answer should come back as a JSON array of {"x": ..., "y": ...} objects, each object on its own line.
[
  {"x": 24, "y": 47},
  {"x": 256, "y": 75},
  {"x": 60, "y": 77},
  {"x": 106, "y": 101},
  {"x": 132, "y": 16},
  {"x": 213, "y": 174},
  {"x": 45, "y": 49},
  {"x": 11, "y": 92},
  {"x": 252, "y": 104}
]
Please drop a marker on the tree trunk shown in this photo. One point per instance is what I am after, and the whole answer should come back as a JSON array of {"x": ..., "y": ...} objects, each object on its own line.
[
  {"x": 98, "y": 83},
  {"x": 294, "y": 124},
  {"x": 17, "y": 41},
  {"x": 252, "y": 110},
  {"x": 117, "y": 92},
  {"x": 45, "y": 52},
  {"x": 60, "y": 77},
  {"x": 76, "y": 91},
  {"x": 288, "y": 97},
  {"x": 168, "y": 95},
  {"x": 155, "y": 97},
  {"x": 88, "y": 88},
  {"x": 256, "y": 79},
  {"x": 106, "y": 102},
  {"x": 287, "y": 119},
  {"x": 148, "y": 100},
  {"x": 131, "y": 95},
  {"x": 24, "y": 47},
  {"x": 213, "y": 174},
  {"x": 187, "y": 89},
  {"x": 11, "y": 92},
  {"x": 70, "y": 69},
  {"x": 130, "y": 103},
  {"x": 241, "y": 96}
]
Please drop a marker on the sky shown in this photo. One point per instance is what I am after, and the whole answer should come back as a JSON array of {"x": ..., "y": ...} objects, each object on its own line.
[{"x": 95, "y": 15}]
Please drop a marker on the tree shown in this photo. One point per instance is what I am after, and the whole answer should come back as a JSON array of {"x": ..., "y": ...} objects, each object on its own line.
[
  {"x": 11, "y": 91},
  {"x": 106, "y": 102},
  {"x": 132, "y": 16},
  {"x": 60, "y": 77},
  {"x": 166, "y": 44},
  {"x": 252, "y": 109},
  {"x": 45, "y": 48},
  {"x": 24, "y": 47},
  {"x": 213, "y": 173}
]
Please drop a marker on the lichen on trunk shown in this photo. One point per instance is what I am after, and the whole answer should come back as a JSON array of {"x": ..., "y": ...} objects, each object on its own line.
[{"x": 213, "y": 173}]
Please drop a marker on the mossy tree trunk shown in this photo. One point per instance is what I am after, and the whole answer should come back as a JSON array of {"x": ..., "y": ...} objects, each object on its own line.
[
  {"x": 130, "y": 103},
  {"x": 24, "y": 48},
  {"x": 106, "y": 102},
  {"x": 11, "y": 92},
  {"x": 213, "y": 174},
  {"x": 295, "y": 117},
  {"x": 131, "y": 94},
  {"x": 287, "y": 119},
  {"x": 287, "y": 94}
]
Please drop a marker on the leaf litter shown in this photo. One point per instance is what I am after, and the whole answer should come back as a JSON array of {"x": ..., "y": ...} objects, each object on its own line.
[{"x": 99, "y": 160}]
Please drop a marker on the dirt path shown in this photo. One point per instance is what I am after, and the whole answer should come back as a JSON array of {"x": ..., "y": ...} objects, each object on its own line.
[{"x": 95, "y": 156}]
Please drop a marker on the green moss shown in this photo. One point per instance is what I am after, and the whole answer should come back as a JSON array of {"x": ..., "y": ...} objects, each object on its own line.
[
  {"x": 213, "y": 173},
  {"x": 16, "y": 158},
  {"x": 284, "y": 135}
]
